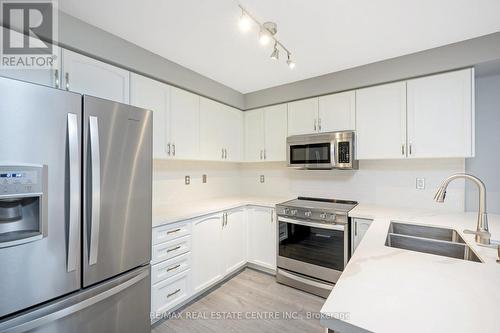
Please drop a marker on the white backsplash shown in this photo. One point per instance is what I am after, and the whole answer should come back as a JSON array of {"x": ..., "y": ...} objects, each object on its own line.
[{"x": 389, "y": 182}]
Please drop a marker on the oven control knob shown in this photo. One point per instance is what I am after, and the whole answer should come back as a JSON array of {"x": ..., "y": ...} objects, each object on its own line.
[
  {"x": 332, "y": 217},
  {"x": 293, "y": 212},
  {"x": 308, "y": 213},
  {"x": 286, "y": 211},
  {"x": 322, "y": 216}
]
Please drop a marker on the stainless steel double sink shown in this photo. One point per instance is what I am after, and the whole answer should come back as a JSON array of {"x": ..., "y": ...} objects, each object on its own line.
[{"x": 433, "y": 240}]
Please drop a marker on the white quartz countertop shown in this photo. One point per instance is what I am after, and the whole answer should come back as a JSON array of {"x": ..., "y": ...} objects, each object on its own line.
[
  {"x": 385, "y": 289},
  {"x": 165, "y": 214}
]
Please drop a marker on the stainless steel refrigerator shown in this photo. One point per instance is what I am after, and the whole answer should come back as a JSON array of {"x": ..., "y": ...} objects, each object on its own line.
[{"x": 75, "y": 212}]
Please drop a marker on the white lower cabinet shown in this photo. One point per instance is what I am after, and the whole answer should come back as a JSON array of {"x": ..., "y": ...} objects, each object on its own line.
[
  {"x": 359, "y": 228},
  {"x": 207, "y": 251},
  {"x": 262, "y": 237},
  {"x": 234, "y": 240},
  {"x": 171, "y": 282}
]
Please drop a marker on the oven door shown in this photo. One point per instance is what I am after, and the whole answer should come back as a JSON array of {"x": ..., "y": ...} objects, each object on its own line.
[{"x": 314, "y": 249}]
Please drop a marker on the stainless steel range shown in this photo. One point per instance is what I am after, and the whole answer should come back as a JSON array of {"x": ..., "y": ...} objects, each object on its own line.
[{"x": 313, "y": 243}]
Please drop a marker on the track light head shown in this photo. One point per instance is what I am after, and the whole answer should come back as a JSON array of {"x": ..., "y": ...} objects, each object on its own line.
[
  {"x": 276, "y": 53},
  {"x": 264, "y": 36},
  {"x": 245, "y": 22},
  {"x": 290, "y": 62}
]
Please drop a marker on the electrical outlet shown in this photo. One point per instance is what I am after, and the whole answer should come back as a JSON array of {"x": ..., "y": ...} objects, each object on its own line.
[
  {"x": 187, "y": 180},
  {"x": 420, "y": 184},
  {"x": 204, "y": 179},
  {"x": 262, "y": 179}
]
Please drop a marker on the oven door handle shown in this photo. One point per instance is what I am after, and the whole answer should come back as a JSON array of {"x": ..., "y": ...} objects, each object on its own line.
[{"x": 339, "y": 227}]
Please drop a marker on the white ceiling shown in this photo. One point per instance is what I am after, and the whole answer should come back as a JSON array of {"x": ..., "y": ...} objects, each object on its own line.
[{"x": 324, "y": 35}]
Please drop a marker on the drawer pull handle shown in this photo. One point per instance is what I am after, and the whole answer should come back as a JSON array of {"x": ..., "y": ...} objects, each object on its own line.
[
  {"x": 173, "y": 231},
  {"x": 172, "y": 294},
  {"x": 173, "y": 249},
  {"x": 172, "y": 268}
]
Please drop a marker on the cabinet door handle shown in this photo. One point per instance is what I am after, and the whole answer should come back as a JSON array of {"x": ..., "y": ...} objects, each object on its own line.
[
  {"x": 222, "y": 150},
  {"x": 168, "y": 149},
  {"x": 225, "y": 153},
  {"x": 265, "y": 157},
  {"x": 174, "y": 248},
  {"x": 56, "y": 76},
  {"x": 261, "y": 154},
  {"x": 173, "y": 149},
  {"x": 66, "y": 76},
  {"x": 172, "y": 294},
  {"x": 403, "y": 149},
  {"x": 355, "y": 228},
  {"x": 410, "y": 148},
  {"x": 315, "y": 124},
  {"x": 272, "y": 215},
  {"x": 173, "y": 231},
  {"x": 319, "y": 124},
  {"x": 173, "y": 268}
]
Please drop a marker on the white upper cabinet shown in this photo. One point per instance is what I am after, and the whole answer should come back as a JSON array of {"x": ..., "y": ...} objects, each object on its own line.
[
  {"x": 155, "y": 96},
  {"x": 48, "y": 77},
  {"x": 234, "y": 240},
  {"x": 254, "y": 135},
  {"x": 441, "y": 115},
  {"x": 265, "y": 134},
  {"x": 381, "y": 121},
  {"x": 337, "y": 112},
  {"x": 93, "y": 77},
  {"x": 275, "y": 128},
  {"x": 232, "y": 133},
  {"x": 303, "y": 116},
  {"x": 184, "y": 124},
  {"x": 221, "y": 132}
]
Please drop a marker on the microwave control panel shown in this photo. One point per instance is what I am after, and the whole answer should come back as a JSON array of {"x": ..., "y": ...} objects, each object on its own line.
[{"x": 344, "y": 155}]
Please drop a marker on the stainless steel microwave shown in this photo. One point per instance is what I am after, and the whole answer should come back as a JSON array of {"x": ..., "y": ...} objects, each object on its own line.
[{"x": 324, "y": 151}]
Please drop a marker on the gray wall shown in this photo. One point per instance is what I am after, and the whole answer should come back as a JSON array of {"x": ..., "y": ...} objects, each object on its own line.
[
  {"x": 486, "y": 164},
  {"x": 79, "y": 36},
  {"x": 453, "y": 56}
]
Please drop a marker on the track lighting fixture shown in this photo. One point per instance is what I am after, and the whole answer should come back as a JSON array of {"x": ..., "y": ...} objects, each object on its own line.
[{"x": 267, "y": 33}]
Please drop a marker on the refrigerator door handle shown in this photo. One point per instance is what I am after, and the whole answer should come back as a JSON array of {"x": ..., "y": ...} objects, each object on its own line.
[
  {"x": 95, "y": 170},
  {"x": 74, "y": 193},
  {"x": 21, "y": 325}
]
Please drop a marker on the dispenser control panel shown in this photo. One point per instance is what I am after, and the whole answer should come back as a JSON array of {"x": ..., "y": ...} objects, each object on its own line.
[{"x": 20, "y": 179}]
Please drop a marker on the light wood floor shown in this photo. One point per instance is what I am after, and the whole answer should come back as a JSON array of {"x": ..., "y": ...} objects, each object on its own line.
[{"x": 248, "y": 294}]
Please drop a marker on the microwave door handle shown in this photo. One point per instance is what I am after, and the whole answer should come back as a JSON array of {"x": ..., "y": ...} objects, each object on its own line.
[
  {"x": 74, "y": 192},
  {"x": 95, "y": 191},
  {"x": 334, "y": 153}
]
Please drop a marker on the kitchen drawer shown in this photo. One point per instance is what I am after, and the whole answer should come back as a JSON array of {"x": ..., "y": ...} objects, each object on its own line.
[
  {"x": 171, "y": 249},
  {"x": 171, "y": 231},
  {"x": 168, "y": 293},
  {"x": 170, "y": 267}
]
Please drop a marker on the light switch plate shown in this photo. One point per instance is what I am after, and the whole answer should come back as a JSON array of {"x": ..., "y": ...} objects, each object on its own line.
[
  {"x": 187, "y": 180},
  {"x": 420, "y": 184},
  {"x": 204, "y": 179},
  {"x": 262, "y": 178}
]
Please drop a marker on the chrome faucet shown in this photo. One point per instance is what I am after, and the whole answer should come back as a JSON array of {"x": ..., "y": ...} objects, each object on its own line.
[{"x": 482, "y": 232}]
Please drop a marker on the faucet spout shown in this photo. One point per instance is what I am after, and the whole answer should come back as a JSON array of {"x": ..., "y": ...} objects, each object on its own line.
[{"x": 482, "y": 230}]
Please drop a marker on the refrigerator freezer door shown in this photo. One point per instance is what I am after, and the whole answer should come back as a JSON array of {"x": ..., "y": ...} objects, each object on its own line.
[
  {"x": 120, "y": 305},
  {"x": 117, "y": 180},
  {"x": 40, "y": 128}
]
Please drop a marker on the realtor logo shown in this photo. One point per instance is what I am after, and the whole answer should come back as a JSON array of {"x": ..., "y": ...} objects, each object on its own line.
[{"x": 28, "y": 32}]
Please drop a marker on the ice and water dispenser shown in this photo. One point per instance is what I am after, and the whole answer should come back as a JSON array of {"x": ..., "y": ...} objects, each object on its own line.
[{"x": 23, "y": 204}]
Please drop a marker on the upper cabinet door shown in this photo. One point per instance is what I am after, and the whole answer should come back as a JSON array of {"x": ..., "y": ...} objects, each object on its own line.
[
  {"x": 381, "y": 122},
  {"x": 92, "y": 77},
  {"x": 303, "y": 116},
  {"x": 232, "y": 134},
  {"x": 46, "y": 77},
  {"x": 441, "y": 115},
  {"x": 254, "y": 135},
  {"x": 155, "y": 96},
  {"x": 185, "y": 124},
  {"x": 211, "y": 119},
  {"x": 275, "y": 122},
  {"x": 337, "y": 112}
]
